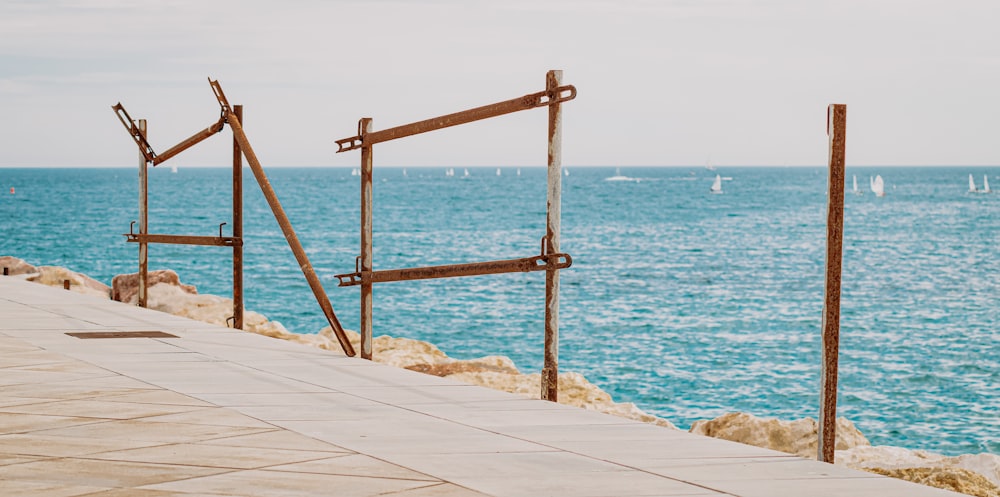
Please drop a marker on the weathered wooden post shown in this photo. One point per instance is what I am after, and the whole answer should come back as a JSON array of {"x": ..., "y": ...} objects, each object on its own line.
[
  {"x": 836, "y": 130},
  {"x": 553, "y": 209}
]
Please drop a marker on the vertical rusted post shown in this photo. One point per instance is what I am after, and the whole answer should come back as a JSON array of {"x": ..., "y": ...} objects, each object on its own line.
[
  {"x": 238, "y": 227},
  {"x": 836, "y": 129},
  {"x": 65, "y": 284},
  {"x": 550, "y": 369},
  {"x": 365, "y": 127},
  {"x": 143, "y": 219}
]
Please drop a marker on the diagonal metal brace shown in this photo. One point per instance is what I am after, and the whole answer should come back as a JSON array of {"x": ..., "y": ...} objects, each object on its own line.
[
  {"x": 541, "y": 99},
  {"x": 147, "y": 150},
  {"x": 279, "y": 215}
]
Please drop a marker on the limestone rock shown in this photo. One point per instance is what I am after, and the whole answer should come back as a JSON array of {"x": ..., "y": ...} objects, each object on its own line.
[
  {"x": 895, "y": 458},
  {"x": 80, "y": 283},
  {"x": 15, "y": 266},
  {"x": 794, "y": 437},
  {"x": 954, "y": 479},
  {"x": 125, "y": 287}
]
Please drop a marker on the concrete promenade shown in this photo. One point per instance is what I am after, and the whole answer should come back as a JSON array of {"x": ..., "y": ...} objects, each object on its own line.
[{"x": 218, "y": 412}]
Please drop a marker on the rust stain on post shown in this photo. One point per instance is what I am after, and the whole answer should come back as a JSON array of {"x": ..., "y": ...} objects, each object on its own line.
[
  {"x": 364, "y": 128},
  {"x": 836, "y": 128},
  {"x": 143, "y": 214},
  {"x": 550, "y": 369},
  {"x": 238, "y": 226}
]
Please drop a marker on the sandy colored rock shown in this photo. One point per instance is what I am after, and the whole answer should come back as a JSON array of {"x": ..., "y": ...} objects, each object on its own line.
[
  {"x": 892, "y": 458},
  {"x": 80, "y": 283},
  {"x": 15, "y": 266},
  {"x": 954, "y": 479},
  {"x": 125, "y": 287},
  {"x": 798, "y": 437}
]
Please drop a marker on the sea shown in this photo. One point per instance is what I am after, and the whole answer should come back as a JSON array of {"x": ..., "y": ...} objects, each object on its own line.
[{"x": 687, "y": 303}]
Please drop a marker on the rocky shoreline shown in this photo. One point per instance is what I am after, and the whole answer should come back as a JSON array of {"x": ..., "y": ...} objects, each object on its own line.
[{"x": 972, "y": 474}]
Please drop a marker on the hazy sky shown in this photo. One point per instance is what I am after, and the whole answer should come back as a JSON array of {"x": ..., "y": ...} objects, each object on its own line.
[{"x": 670, "y": 82}]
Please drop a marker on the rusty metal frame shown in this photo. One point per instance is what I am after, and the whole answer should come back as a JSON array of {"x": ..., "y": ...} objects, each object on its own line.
[
  {"x": 233, "y": 116},
  {"x": 147, "y": 158},
  {"x": 549, "y": 260}
]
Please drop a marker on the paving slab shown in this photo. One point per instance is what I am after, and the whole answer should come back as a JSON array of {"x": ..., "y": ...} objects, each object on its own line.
[{"x": 219, "y": 412}]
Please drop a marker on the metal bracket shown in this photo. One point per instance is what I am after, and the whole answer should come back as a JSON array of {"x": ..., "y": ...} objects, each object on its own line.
[{"x": 133, "y": 130}]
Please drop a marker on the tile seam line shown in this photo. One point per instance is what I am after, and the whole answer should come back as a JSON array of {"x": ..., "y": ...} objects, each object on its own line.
[{"x": 494, "y": 432}]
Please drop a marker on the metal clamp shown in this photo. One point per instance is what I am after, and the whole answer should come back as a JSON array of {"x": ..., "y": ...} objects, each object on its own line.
[{"x": 140, "y": 139}]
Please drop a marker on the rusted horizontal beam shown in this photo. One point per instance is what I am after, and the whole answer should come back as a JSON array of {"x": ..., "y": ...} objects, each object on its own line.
[
  {"x": 540, "y": 99},
  {"x": 523, "y": 265},
  {"x": 190, "y": 142},
  {"x": 214, "y": 241}
]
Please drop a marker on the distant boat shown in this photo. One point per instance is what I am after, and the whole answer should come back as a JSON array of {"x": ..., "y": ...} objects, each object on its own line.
[
  {"x": 498, "y": 171},
  {"x": 566, "y": 171},
  {"x": 355, "y": 172},
  {"x": 716, "y": 185},
  {"x": 856, "y": 190},
  {"x": 449, "y": 172},
  {"x": 518, "y": 171},
  {"x": 618, "y": 176},
  {"x": 878, "y": 186},
  {"x": 972, "y": 185},
  {"x": 986, "y": 183},
  {"x": 466, "y": 172},
  {"x": 404, "y": 171},
  {"x": 173, "y": 168}
]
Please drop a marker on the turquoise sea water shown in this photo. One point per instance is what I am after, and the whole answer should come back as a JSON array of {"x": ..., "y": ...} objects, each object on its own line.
[{"x": 686, "y": 303}]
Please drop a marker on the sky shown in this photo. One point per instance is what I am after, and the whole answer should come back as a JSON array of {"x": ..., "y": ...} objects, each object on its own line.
[{"x": 660, "y": 82}]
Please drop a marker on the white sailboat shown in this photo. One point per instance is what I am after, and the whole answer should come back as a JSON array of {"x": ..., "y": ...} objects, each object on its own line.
[
  {"x": 518, "y": 171},
  {"x": 972, "y": 185},
  {"x": 878, "y": 186},
  {"x": 566, "y": 171},
  {"x": 466, "y": 174},
  {"x": 173, "y": 168},
  {"x": 498, "y": 171},
  {"x": 986, "y": 183},
  {"x": 618, "y": 176},
  {"x": 716, "y": 185},
  {"x": 855, "y": 190},
  {"x": 355, "y": 172}
]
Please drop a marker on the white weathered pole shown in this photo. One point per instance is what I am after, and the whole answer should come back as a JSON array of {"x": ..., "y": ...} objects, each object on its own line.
[
  {"x": 553, "y": 209},
  {"x": 366, "y": 241}
]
